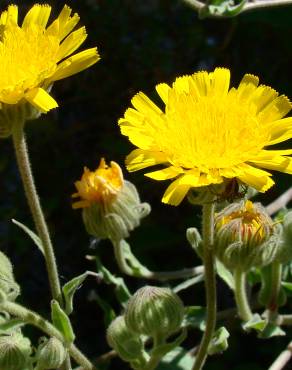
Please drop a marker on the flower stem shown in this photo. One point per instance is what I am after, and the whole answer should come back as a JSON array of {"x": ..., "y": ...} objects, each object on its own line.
[
  {"x": 38, "y": 321},
  {"x": 275, "y": 286},
  {"x": 243, "y": 307},
  {"x": 210, "y": 284},
  {"x": 35, "y": 207}
]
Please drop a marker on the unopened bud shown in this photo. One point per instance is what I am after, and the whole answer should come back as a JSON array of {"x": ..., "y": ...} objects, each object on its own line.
[
  {"x": 15, "y": 351},
  {"x": 51, "y": 354},
  {"x": 195, "y": 240},
  {"x": 155, "y": 312},
  {"x": 9, "y": 289},
  {"x": 245, "y": 236},
  {"x": 125, "y": 342},
  {"x": 111, "y": 206}
]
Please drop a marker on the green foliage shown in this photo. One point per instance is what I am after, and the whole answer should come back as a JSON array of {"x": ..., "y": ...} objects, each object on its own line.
[{"x": 62, "y": 322}]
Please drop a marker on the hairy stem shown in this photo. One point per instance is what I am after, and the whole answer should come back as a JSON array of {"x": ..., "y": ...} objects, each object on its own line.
[
  {"x": 44, "y": 325},
  {"x": 283, "y": 359},
  {"x": 36, "y": 210},
  {"x": 210, "y": 284},
  {"x": 276, "y": 286},
  {"x": 242, "y": 303}
]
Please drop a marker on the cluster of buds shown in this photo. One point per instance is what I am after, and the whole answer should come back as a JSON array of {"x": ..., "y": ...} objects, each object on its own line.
[
  {"x": 111, "y": 206},
  {"x": 245, "y": 236},
  {"x": 151, "y": 312}
]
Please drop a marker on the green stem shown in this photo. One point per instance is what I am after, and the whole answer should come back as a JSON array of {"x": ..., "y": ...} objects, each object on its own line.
[
  {"x": 275, "y": 286},
  {"x": 38, "y": 321},
  {"x": 35, "y": 207},
  {"x": 210, "y": 284},
  {"x": 242, "y": 303}
]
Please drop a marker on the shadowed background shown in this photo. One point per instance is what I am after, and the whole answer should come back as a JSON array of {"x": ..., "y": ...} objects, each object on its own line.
[{"x": 141, "y": 44}]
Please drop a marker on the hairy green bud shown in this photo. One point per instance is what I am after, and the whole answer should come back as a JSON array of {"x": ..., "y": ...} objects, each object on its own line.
[
  {"x": 155, "y": 312},
  {"x": 125, "y": 342},
  {"x": 51, "y": 354},
  {"x": 9, "y": 289},
  {"x": 245, "y": 236},
  {"x": 15, "y": 352}
]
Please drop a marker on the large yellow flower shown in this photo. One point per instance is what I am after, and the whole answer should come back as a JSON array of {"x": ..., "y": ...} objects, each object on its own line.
[
  {"x": 208, "y": 133},
  {"x": 33, "y": 56}
]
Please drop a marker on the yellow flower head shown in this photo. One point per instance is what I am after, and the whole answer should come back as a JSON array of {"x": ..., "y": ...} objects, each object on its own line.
[
  {"x": 33, "y": 56},
  {"x": 99, "y": 186},
  {"x": 208, "y": 133}
]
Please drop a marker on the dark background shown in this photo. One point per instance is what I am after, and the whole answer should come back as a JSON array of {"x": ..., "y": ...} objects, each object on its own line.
[{"x": 141, "y": 44}]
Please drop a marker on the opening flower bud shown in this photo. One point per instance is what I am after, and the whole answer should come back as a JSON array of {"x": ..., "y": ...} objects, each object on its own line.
[
  {"x": 245, "y": 236},
  {"x": 111, "y": 206},
  {"x": 14, "y": 352},
  {"x": 155, "y": 312},
  {"x": 125, "y": 342},
  {"x": 51, "y": 354}
]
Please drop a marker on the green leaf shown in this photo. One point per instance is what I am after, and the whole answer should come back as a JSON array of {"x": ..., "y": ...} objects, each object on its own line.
[
  {"x": 188, "y": 283},
  {"x": 287, "y": 287},
  {"x": 195, "y": 316},
  {"x": 163, "y": 349},
  {"x": 256, "y": 323},
  {"x": 219, "y": 341},
  {"x": 121, "y": 290},
  {"x": 109, "y": 313},
  {"x": 271, "y": 330},
  {"x": 177, "y": 359},
  {"x": 225, "y": 274},
  {"x": 62, "y": 322},
  {"x": 70, "y": 288},
  {"x": 31, "y": 234},
  {"x": 225, "y": 8}
]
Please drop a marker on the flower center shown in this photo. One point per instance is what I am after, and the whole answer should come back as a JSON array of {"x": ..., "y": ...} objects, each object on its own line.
[
  {"x": 211, "y": 132},
  {"x": 27, "y": 56}
]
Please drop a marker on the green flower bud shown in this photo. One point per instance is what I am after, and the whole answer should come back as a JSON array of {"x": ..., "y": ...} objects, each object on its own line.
[
  {"x": 9, "y": 289},
  {"x": 51, "y": 354},
  {"x": 245, "y": 236},
  {"x": 111, "y": 205},
  {"x": 155, "y": 312},
  {"x": 15, "y": 352},
  {"x": 127, "y": 344},
  {"x": 195, "y": 240}
]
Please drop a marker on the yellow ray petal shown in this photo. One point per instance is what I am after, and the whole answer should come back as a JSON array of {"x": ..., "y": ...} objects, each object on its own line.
[
  {"x": 282, "y": 164},
  {"x": 220, "y": 81},
  {"x": 263, "y": 96},
  {"x": 178, "y": 189},
  {"x": 39, "y": 98},
  {"x": 75, "y": 64},
  {"x": 144, "y": 105},
  {"x": 202, "y": 82},
  {"x": 163, "y": 90},
  {"x": 281, "y": 130},
  {"x": 275, "y": 110},
  {"x": 165, "y": 173},
  {"x": 38, "y": 14},
  {"x": 10, "y": 15},
  {"x": 139, "y": 159},
  {"x": 137, "y": 136},
  {"x": 247, "y": 86},
  {"x": 256, "y": 178},
  {"x": 66, "y": 22},
  {"x": 71, "y": 43}
]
